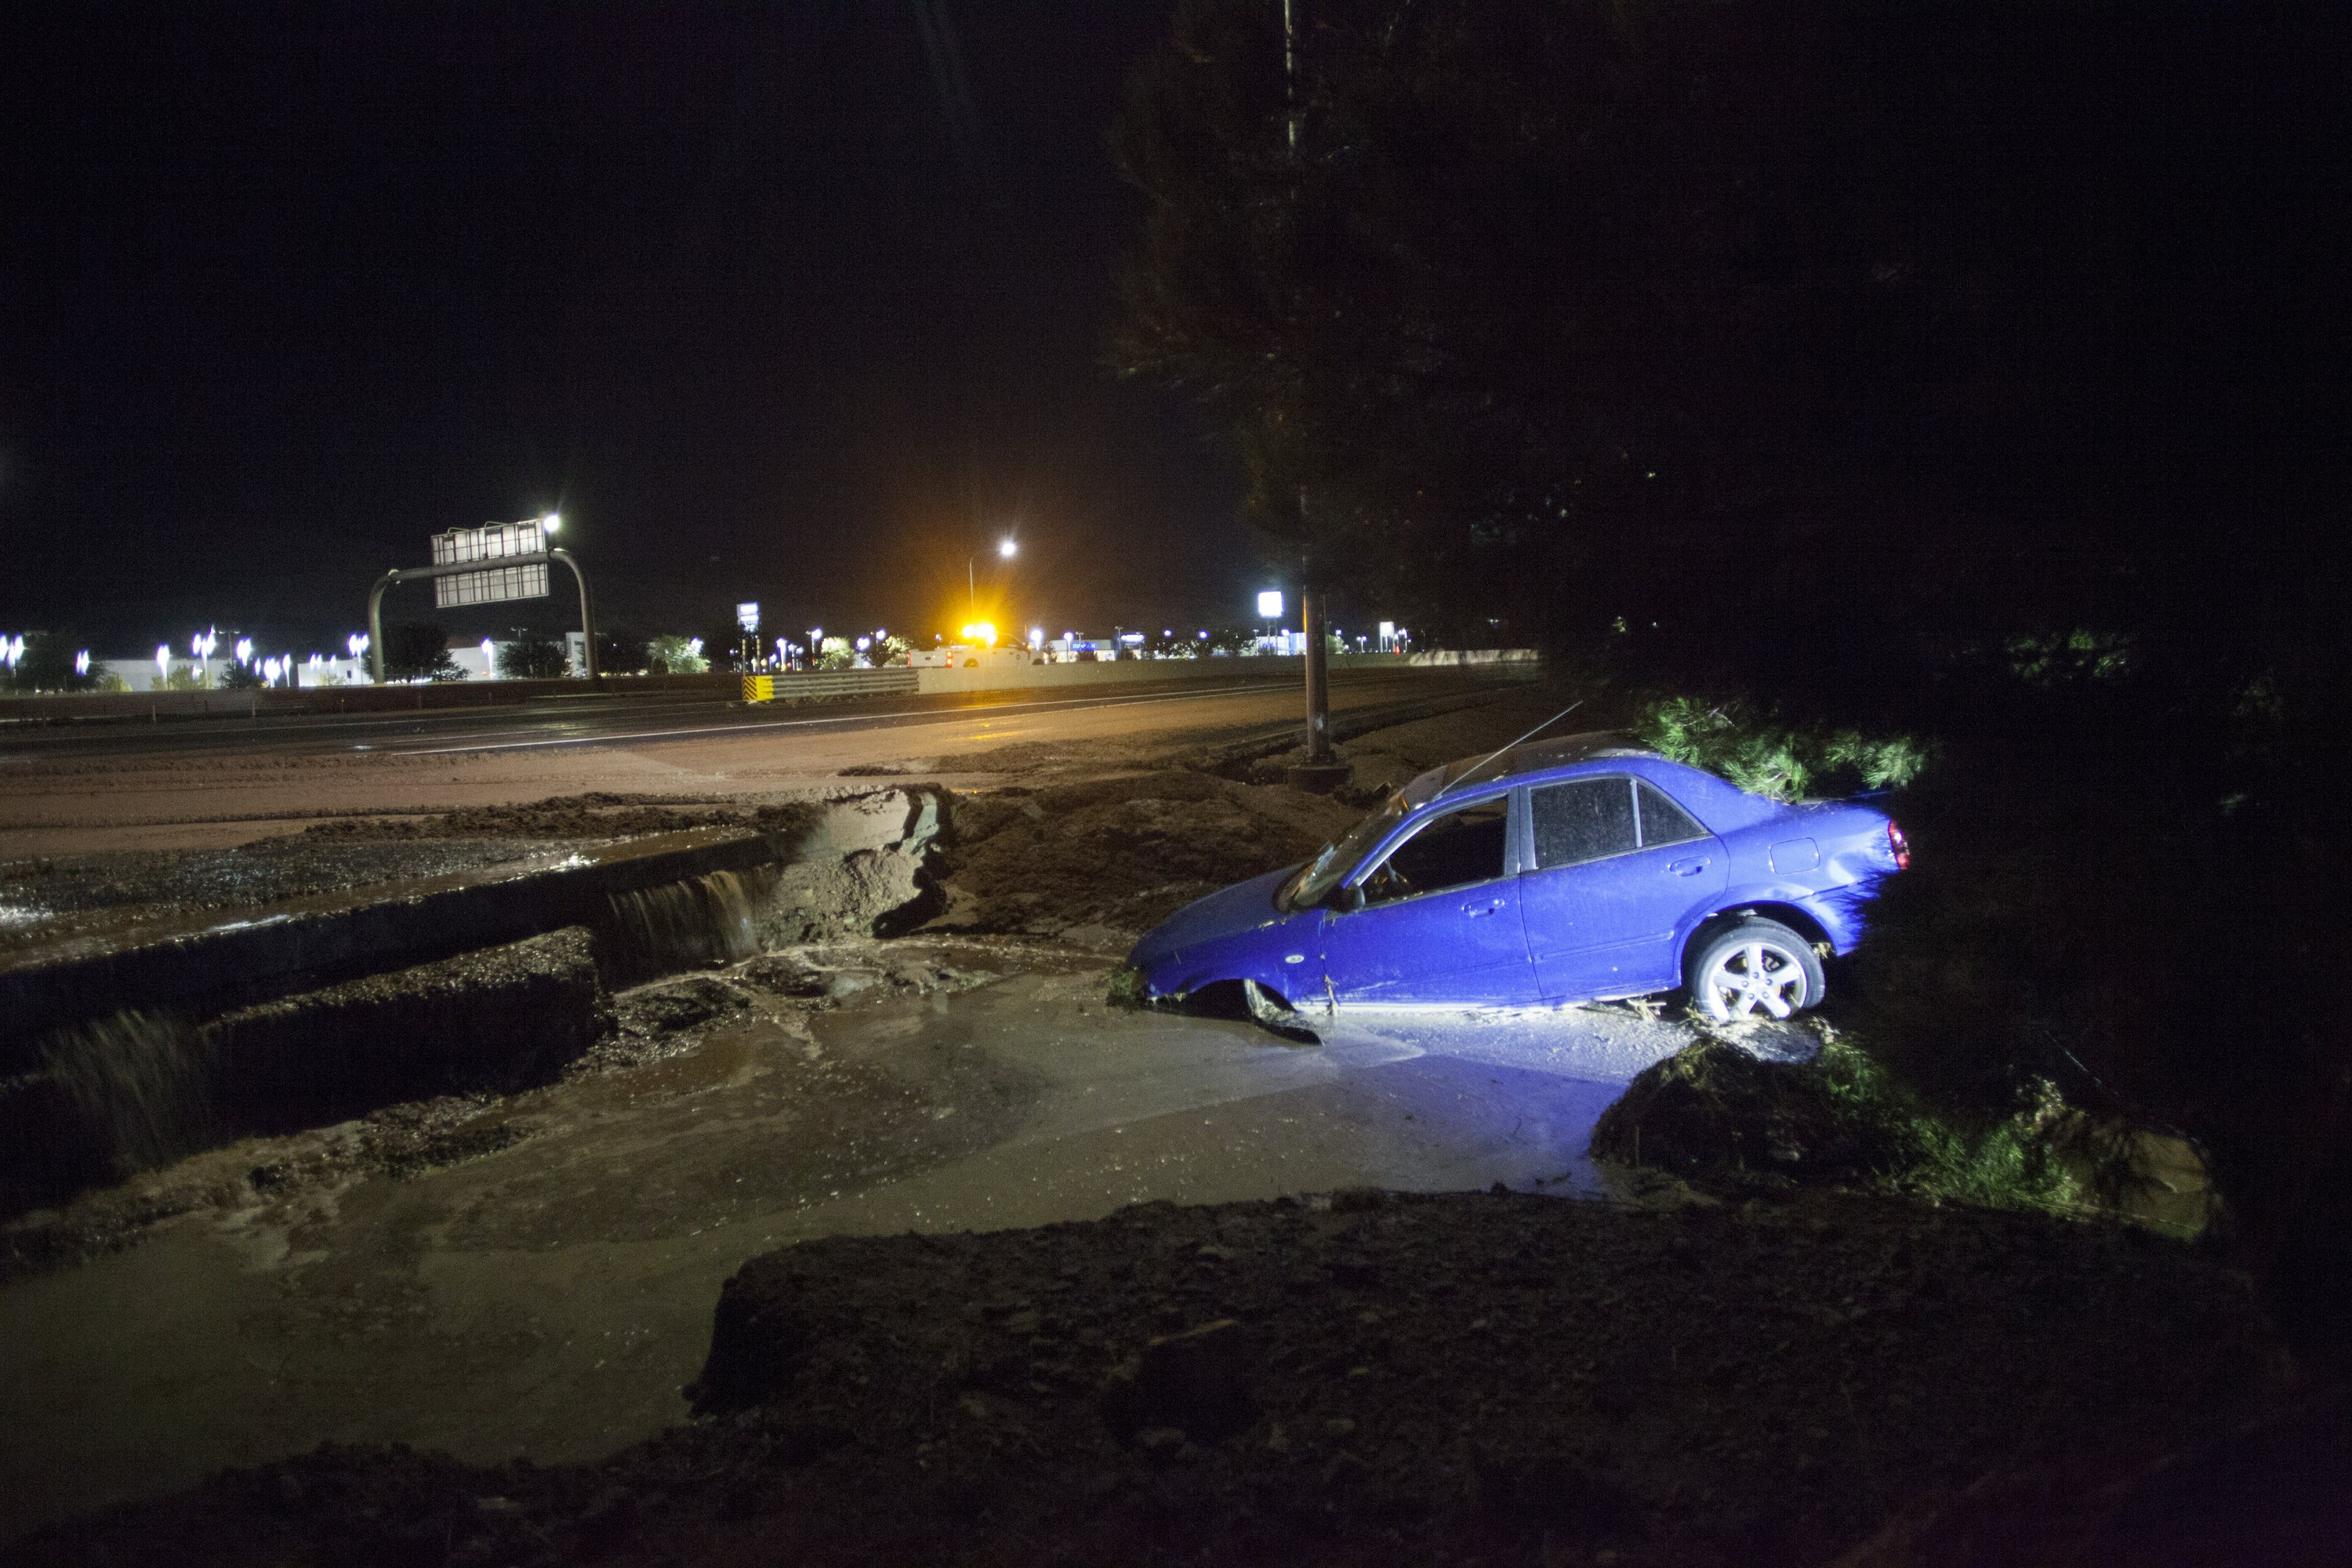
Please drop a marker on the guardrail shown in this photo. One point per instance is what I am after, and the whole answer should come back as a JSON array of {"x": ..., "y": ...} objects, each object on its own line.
[{"x": 793, "y": 685}]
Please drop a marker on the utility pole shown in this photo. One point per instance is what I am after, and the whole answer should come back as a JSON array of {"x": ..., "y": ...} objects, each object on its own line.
[{"x": 1321, "y": 772}]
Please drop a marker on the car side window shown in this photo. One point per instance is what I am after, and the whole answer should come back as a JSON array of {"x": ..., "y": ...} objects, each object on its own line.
[
  {"x": 1664, "y": 822},
  {"x": 1449, "y": 851},
  {"x": 1584, "y": 819}
]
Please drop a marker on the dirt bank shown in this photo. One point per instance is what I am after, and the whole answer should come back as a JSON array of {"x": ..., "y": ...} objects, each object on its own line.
[
  {"x": 1120, "y": 855},
  {"x": 1363, "y": 1380}
]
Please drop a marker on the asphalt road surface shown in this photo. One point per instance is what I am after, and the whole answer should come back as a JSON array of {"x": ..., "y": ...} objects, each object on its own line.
[{"x": 212, "y": 782}]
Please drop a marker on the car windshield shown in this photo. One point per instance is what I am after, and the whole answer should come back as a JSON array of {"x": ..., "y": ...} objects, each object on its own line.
[{"x": 1318, "y": 879}]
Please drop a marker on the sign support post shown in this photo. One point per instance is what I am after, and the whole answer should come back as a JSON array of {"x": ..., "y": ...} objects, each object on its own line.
[{"x": 454, "y": 568}]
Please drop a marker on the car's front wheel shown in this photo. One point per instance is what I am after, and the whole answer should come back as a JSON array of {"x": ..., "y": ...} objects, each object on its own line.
[
  {"x": 1755, "y": 966},
  {"x": 1274, "y": 1013}
]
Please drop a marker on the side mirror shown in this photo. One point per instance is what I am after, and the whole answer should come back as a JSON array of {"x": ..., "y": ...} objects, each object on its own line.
[{"x": 1345, "y": 900}]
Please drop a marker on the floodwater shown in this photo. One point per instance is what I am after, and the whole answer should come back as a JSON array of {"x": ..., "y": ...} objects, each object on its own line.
[{"x": 548, "y": 1299}]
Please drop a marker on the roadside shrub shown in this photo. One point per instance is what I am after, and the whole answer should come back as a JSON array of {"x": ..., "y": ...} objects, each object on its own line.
[
  {"x": 533, "y": 657},
  {"x": 675, "y": 656},
  {"x": 1766, "y": 755}
]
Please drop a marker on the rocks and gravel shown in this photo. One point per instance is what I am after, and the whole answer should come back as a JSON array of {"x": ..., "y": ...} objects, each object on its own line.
[{"x": 1365, "y": 1378}]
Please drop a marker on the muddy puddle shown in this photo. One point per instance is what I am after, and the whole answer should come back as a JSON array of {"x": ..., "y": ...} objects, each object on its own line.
[{"x": 547, "y": 1291}]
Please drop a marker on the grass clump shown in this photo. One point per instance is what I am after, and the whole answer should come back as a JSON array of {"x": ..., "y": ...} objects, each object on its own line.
[
  {"x": 1841, "y": 1115},
  {"x": 2000, "y": 1162}
]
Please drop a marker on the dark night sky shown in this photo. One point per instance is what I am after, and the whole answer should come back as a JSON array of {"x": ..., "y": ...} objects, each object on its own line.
[{"x": 773, "y": 302}]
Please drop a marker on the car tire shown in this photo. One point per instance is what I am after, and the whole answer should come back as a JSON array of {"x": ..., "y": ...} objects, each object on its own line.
[
  {"x": 1275, "y": 1015},
  {"x": 1720, "y": 974}
]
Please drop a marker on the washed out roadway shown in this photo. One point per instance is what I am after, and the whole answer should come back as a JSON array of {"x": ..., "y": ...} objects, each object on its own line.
[
  {"x": 211, "y": 784},
  {"x": 548, "y": 1300}
]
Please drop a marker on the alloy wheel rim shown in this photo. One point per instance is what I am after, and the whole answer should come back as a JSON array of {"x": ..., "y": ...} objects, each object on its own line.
[{"x": 1755, "y": 975}]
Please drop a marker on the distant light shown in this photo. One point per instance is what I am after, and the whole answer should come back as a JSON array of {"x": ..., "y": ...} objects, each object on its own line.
[
  {"x": 865, "y": 643},
  {"x": 162, "y": 658},
  {"x": 1269, "y": 604},
  {"x": 1167, "y": 631},
  {"x": 551, "y": 522},
  {"x": 81, "y": 662},
  {"x": 1008, "y": 548},
  {"x": 244, "y": 651},
  {"x": 489, "y": 654},
  {"x": 1204, "y": 634},
  {"x": 1036, "y": 636},
  {"x": 694, "y": 646}
]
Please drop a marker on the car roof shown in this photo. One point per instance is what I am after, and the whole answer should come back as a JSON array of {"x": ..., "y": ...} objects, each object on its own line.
[{"x": 1535, "y": 756}]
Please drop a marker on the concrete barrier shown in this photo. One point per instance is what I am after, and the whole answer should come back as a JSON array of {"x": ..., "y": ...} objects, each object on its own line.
[
  {"x": 1127, "y": 671},
  {"x": 156, "y": 706},
  {"x": 149, "y": 706}
]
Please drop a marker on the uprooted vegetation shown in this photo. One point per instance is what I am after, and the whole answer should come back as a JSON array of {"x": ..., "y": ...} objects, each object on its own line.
[{"x": 1720, "y": 1115}]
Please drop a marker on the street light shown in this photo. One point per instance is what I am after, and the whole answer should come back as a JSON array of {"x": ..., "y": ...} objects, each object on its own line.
[
  {"x": 551, "y": 522},
  {"x": 1006, "y": 548}
]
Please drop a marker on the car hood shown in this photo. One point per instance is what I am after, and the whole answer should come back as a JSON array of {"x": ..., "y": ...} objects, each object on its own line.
[{"x": 1242, "y": 907}]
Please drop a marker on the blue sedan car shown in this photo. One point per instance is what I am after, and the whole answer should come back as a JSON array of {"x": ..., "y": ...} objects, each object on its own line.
[{"x": 1578, "y": 869}]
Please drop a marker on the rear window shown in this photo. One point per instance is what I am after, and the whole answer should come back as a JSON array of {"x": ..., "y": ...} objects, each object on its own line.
[
  {"x": 1584, "y": 819},
  {"x": 1664, "y": 822}
]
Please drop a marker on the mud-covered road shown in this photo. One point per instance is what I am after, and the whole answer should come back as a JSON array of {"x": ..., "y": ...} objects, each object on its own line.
[{"x": 210, "y": 783}]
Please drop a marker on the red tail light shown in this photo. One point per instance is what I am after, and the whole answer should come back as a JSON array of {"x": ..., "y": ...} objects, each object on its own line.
[{"x": 1899, "y": 844}]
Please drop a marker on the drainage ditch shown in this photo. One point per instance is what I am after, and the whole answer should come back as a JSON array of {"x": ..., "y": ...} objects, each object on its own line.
[{"x": 129, "y": 1047}]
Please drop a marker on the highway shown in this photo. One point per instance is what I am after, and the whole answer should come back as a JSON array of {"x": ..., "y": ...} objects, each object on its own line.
[{"x": 215, "y": 781}]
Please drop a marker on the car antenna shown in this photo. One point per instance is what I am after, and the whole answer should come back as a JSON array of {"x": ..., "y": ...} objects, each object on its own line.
[{"x": 1498, "y": 750}]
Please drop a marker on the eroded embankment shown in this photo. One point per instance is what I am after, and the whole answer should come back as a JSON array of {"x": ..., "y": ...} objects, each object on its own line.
[
  {"x": 176, "y": 1030},
  {"x": 161, "y": 1022},
  {"x": 1372, "y": 1379}
]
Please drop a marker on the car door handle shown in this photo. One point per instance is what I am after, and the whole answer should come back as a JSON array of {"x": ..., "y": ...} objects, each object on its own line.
[
  {"x": 1489, "y": 907},
  {"x": 1687, "y": 868}
]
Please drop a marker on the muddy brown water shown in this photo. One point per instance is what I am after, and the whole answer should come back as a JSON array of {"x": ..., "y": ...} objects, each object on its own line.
[{"x": 549, "y": 1298}]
